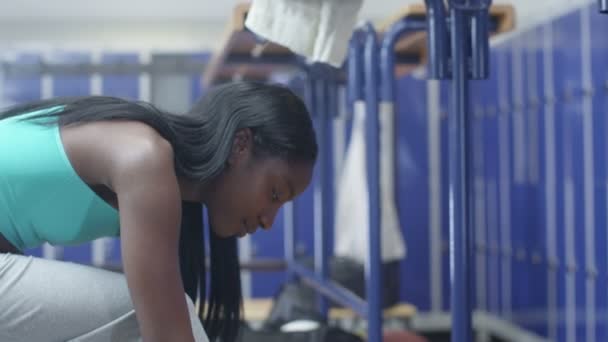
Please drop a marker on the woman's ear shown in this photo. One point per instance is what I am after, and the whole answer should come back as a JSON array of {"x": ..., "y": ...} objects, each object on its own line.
[{"x": 241, "y": 146}]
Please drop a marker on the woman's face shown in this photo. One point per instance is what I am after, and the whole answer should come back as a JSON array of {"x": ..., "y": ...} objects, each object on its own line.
[{"x": 249, "y": 193}]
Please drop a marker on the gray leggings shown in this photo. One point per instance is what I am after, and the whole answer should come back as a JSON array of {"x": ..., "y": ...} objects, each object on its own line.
[{"x": 47, "y": 300}]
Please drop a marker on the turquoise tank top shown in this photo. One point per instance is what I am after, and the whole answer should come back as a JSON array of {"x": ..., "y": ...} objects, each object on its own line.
[{"x": 42, "y": 198}]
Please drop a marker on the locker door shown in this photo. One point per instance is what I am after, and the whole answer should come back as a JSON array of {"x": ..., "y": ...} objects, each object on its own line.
[
  {"x": 505, "y": 179},
  {"x": 568, "y": 87},
  {"x": 519, "y": 188},
  {"x": 413, "y": 187},
  {"x": 478, "y": 193},
  {"x": 598, "y": 46},
  {"x": 492, "y": 177},
  {"x": 535, "y": 234}
]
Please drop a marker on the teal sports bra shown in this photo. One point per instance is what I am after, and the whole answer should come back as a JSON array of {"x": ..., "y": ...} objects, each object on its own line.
[{"x": 42, "y": 198}]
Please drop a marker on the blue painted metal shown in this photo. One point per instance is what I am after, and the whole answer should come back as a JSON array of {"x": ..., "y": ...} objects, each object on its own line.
[
  {"x": 438, "y": 46},
  {"x": 505, "y": 107},
  {"x": 121, "y": 85},
  {"x": 462, "y": 237},
  {"x": 387, "y": 90},
  {"x": 599, "y": 76},
  {"x": 355, "y": 85},
  {"x": 489, "y": 101},
  {"x": 536, "y": 213},
  {"x": 518, "y": 187},
  {"x": 387, "y": 54},
  {"x": 460, "y": 220},
  {"x": 331, "y": 290},
  {"x": 325, "y": 174},
  {"x": 479, "y": 44},
  {"x": 321, "y": 97},
  {"x": 373, "y": 275},
  {"x": 568, "y": 90},
  {"x": 477, "y": 197},
  {"x": 445, "y": 192},
  {"x": 412, "y": 194},
  {"x": 319, "y": 88},
  {"x": 599, "y": 67},
  {"x": 600, "y": 123}
]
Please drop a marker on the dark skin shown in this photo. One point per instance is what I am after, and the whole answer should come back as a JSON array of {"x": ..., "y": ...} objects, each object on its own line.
[{"x": 140, "y": 180}]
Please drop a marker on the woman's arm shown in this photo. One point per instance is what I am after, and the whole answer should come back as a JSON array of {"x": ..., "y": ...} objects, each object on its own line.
[{"x": 150, "y": 212}]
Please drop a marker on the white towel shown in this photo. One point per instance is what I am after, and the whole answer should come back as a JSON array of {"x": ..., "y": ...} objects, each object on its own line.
[
  {"x": 316, "y": 29},
  {"x": 352, "y": 202}
]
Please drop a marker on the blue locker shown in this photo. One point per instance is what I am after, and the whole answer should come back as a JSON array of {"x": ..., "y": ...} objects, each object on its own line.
[
  {"x": 519, "y": 187},
  {"x": 413, "y": 188},
  {"x": 505, "y": 177},
  {"x": 587, "y": 273},
  {"x": 445, "y": 185},
  {"x": 599, "y": 76},
  {"x": 478, "y": 202},
  {"x": 549, "y": 170},
  {"x": 568, "y": 87},
  {"x": 20, "y": 88},
  {"x": 71, "y": 84},
  {"x": 575, "y": 145},
  {"x": 536, "y": 229},
  {"x": 121, "y": 85},
  {"x": 489, "y": 95}
]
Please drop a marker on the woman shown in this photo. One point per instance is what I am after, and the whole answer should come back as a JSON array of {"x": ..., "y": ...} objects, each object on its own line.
[{"x": 73, "y": 170}]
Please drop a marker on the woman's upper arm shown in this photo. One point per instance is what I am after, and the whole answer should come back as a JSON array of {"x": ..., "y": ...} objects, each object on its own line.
[{"x": 150, "y": 212}]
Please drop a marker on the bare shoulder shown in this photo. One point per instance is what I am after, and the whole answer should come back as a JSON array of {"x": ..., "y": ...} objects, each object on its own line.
[{"x": 102, "y": 151}]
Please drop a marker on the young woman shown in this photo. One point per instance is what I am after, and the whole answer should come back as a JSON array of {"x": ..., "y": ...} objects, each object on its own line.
[{"x": 76, "y": 169}]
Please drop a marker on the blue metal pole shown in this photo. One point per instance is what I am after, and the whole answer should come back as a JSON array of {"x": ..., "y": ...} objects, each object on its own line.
[
  {"x": 354, "y": 85},
  {"x": 603, "y": 6},
  {"x": 323, "y": 184},
  {"x": 331, "y": 289},
  {"x": 373, "y": 268},
  {"x": 480, "y": 48},
  {"x": 387, "y": 54},
  {"x": 437, "y": 44},
  {"x": 460, "y": 218}
]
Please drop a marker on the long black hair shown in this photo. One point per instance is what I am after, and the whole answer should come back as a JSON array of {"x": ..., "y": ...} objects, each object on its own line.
[{"x": 202, "y": 141}]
